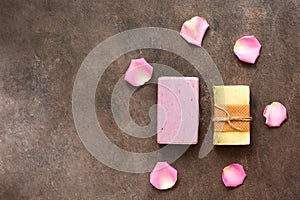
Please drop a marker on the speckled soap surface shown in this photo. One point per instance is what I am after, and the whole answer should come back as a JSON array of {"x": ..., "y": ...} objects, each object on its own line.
[
  {"x": 42, "y": 45},
  {"x": 178, "y": 110}
]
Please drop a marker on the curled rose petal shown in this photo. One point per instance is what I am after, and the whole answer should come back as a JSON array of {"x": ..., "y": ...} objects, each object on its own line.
[
  {"x": 163, "y": 176},
  {"x": 193, "y": 30},
  {"x": 275, "y": 114},
  {"x": 233, "y": 175},
  {"x": 138, "y": 72},
  {"x": 247, "y": 49}
]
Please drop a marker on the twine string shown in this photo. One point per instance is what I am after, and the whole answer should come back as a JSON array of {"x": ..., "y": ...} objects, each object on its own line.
[{"x": 230, "y": 118}]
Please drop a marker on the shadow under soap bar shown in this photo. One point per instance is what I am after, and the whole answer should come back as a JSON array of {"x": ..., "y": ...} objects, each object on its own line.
[{"x": 178, "y": 110}]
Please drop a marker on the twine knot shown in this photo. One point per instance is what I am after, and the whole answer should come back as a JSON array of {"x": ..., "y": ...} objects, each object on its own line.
[{"x": 230, "y": 118}]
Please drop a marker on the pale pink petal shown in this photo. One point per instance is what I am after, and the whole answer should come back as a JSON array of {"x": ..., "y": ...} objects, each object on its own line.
[
  {"x": 138, "y": 72},
  {"x": 233, "y": 175},
  {"x": 247, "y": 49},
  {"x": 163, "y": 176},
  {"x": 275, "y": 114},
  {"x": 193, "y": 30}
]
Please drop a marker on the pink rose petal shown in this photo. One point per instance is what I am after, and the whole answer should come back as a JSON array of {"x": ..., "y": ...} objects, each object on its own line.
[
  {"x": 163, "y": 176},
  {"x": 275, "y": 114},
  {"x": 247, "y": 49},
  {"x": 138, "y": 72},
  {"x": 193, "y": 30},
  {"x": 233, "y": 175}
]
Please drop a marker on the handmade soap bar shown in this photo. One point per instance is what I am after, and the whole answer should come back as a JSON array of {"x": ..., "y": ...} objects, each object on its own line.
[
  {"x": 231, "y": 115},
  {"x": 178, "y": 110}
]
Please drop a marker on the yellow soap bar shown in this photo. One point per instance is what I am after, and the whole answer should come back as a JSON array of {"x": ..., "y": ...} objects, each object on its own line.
[{"x": 232, "y": 95}]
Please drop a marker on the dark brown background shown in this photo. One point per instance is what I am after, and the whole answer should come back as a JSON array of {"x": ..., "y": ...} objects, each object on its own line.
[{"x": 42, "y": 44}]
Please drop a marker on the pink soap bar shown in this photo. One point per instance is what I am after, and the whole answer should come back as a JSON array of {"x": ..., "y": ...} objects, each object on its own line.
[{"x": 178, "y": 110}]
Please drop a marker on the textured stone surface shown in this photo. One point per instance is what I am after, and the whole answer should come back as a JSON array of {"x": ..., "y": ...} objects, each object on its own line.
[{"x": 42, "y": 44}]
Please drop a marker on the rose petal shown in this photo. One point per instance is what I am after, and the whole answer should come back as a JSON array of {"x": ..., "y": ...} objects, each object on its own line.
[
  {"x": 247, "y": 49},
  {"x": 275, "y": 114},
  {"x": 233, "y": 175},
  {"x": 163, "y": 176},
  {"x": 193, "y": 30},
  {"x": 138, "y": 72}
]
